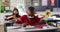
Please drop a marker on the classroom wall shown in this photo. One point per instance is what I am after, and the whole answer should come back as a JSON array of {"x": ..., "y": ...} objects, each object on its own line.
[
  {"x": 39, "y": 8},
  {"x": 42, "y": 8}
]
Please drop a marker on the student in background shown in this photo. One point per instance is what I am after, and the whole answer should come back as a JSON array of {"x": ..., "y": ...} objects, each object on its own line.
[
  {"x": 48, "y": 13},
  {"x": 14, "y": 15},
  {"x": 30, "y": 19}
]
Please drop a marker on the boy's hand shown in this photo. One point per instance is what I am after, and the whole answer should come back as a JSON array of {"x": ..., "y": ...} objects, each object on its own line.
[{"x": 23, "y": 24}]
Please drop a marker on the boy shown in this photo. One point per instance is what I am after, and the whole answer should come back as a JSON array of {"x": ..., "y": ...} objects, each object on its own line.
[{"x": 48, "y": 13}]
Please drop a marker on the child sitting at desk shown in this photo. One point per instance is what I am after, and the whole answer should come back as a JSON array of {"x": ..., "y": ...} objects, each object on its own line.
[
  {"x": 48, "y": 14},
  {"x": 14, "y": 15},
  {"x": 30, "y": 19}
]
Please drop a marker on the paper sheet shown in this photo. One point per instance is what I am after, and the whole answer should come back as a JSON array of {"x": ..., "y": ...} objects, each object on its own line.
[
  {"x": 44, "y": 2},
  {"x": 36, "y": 4}
]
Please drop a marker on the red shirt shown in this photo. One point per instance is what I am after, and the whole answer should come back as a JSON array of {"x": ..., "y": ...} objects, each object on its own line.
[{"x": 26, "y": 20}]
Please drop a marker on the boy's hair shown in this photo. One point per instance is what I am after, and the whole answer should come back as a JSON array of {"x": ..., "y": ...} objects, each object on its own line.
[
  {"x": 48, "y": 8},
  {"x": 31, "y": 9}
]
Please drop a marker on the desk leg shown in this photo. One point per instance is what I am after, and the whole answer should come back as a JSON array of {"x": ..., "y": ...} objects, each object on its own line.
[
  {"x": 5, "y": 28},
  {"x": 56, "y": 23}
]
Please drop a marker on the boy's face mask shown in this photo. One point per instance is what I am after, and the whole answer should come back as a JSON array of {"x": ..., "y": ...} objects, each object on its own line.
[{"x": 48, "y": 13}]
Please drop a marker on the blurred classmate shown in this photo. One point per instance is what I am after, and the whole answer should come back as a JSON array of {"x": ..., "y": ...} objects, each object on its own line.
[
  {"x": 48, "y": 13},
  {"x": 14, "y": 15},
  {"x": 29, "y": 19}
]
